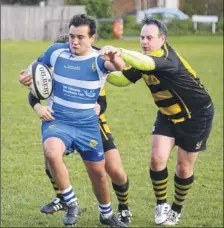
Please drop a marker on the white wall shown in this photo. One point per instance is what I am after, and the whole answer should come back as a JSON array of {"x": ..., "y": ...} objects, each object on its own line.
[
  {"x": 172, "y": 4},
  {"x": 36, "y": 23}
]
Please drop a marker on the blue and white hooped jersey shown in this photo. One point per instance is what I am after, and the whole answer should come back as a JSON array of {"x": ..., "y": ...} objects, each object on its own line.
[{"x": 77, "y": 79}]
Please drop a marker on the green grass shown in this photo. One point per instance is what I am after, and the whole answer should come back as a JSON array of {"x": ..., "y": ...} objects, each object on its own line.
[{"x": 131, "y": 113}]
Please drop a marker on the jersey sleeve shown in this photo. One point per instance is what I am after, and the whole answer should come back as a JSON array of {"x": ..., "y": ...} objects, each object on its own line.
[
  {"x": 100, "y": 63},
  {"x": 32, "y": 100},
  {"x": 169, "y": 64},
  {"x": 150, "y": 63},
  {"x": 95, "y": 48},
  {"x": 132, "y": 74},
  {"x": 50, "y": 55}
]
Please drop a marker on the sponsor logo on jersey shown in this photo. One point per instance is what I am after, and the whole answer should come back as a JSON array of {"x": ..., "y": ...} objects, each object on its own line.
[
  {"x": 69, "y": 67},
  {"x": 151, "y": 79},
  {"x": 90, "y": 93},
  {"x": 93, "y": 66}
]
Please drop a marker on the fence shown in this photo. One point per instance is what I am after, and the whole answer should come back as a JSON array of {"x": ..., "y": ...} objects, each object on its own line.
[{"x": 32, "y": 22}]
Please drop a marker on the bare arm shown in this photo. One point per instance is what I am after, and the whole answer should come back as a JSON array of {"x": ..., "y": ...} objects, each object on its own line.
[{"x": 112, "y": 58}]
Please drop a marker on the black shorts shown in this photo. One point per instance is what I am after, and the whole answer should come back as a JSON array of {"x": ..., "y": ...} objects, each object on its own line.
[
  {"x": 192, "y": 134},
  {"x": 107, "y": 138}
]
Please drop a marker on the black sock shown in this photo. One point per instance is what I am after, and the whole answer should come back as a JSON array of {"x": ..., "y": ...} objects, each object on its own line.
[
  {"x": 121, "y": 192},
  {"x": 182, "y": 187},
  {"x": 159, "y": 181},
  {"x": 54, "y": 185}
]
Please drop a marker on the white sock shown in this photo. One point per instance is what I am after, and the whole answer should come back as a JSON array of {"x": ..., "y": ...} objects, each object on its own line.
[
  {"x": 106, "y": 210},
  {"x": 68, "y": 195}
]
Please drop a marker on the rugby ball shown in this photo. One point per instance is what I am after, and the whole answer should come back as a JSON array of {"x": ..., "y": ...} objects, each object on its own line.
[{"x": 42, "y": 83}]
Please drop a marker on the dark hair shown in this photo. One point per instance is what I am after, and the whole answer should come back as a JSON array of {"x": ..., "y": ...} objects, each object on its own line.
[
  {"x": 83, "y": 19},
  {"x": 152, "y": 21},
  {"x": 62, "y": 39}
]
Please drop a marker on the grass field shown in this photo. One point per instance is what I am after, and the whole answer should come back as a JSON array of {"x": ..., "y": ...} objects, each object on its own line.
[{"x": 131, "y": 113}]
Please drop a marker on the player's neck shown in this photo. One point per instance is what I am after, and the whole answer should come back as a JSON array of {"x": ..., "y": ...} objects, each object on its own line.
[{"x": 90, "y": 51}]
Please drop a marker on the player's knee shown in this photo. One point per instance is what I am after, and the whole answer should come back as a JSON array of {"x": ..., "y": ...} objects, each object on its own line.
[
  {"x": 99, "y": 175},
  {"x": 184, "y": 170},
  {"x": 157, "y": 162},
  {"x": 101, "y": 178},
  {"x": 51, "y": 154},
  {"x": 53, "y": 150},
  {"x": 117, "y": 175}
]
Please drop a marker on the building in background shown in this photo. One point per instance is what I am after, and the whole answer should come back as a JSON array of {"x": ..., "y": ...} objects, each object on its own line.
[
  {"x": 168, "y": 3},
  {"x": 36, "y": 23},
  {"x": 123, "y": 7},
  {"x": 55, "y": 2}
]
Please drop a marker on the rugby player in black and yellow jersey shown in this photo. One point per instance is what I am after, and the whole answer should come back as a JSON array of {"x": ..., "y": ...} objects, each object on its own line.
[
  {"x": 185, "y": 112},
  {"x": 113, "y": 163}
]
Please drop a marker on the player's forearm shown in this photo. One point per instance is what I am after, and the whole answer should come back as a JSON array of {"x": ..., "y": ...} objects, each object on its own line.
[
  {"x": 118, "y": 79},
  {"x": 137, "y": 60},
  {"x": 118, "y": 63},
  {"x": 33, "y": 100}
]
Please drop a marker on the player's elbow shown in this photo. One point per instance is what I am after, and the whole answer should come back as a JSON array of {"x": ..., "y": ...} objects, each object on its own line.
[
  {"x": 121, "y": 66},
  {"x": 116, "y": 78}
]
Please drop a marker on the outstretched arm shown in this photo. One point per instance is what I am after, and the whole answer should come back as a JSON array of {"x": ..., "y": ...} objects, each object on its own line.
[
  {"x": 112, "y": 58},
  {"x": 118, "y": 79},
  {"x": 133, "y": 58},
  {"x": 125, "y": 77},
  {"x": 137, "y": 60}
]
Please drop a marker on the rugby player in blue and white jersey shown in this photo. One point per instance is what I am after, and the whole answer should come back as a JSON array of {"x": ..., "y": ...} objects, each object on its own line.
[
  {"x": 79, "y": 74},
  {"x": 114, "y": 167}
]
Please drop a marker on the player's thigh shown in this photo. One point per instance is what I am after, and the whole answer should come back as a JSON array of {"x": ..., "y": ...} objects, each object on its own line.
[
  {"x": 161, "y": 147},
  {"x": 185, "y": 163},
  {"x": 88, "y": 143},
  {"x": 106, "y": 135},
  {"x": 54, "y": 148},
  {"x": 192, "y": 135},
  {"x": 113, "y": 162},
  {"x": 186, "y": 159},
  {"x": 96, "y": 170},
  {"x": 163, "y": 138},
  {"x": 56, "y": 136}
]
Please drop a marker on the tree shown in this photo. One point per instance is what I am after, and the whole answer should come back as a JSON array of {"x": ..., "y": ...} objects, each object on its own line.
[
  {"x": 95, "y": 8},
  {"x": 202, "y": 7}
]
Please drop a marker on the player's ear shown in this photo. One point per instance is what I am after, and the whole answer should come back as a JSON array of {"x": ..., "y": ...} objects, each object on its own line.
[
  {"x": 163, "y": 37},
  {"x": 93, "y": 38}
]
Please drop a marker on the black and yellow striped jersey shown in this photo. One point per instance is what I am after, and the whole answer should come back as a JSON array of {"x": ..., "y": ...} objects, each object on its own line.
[
  {"x": 103, "y": 93},
  {"x": 175, "y": 87},
  {"x": 102, "y": 101}
]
